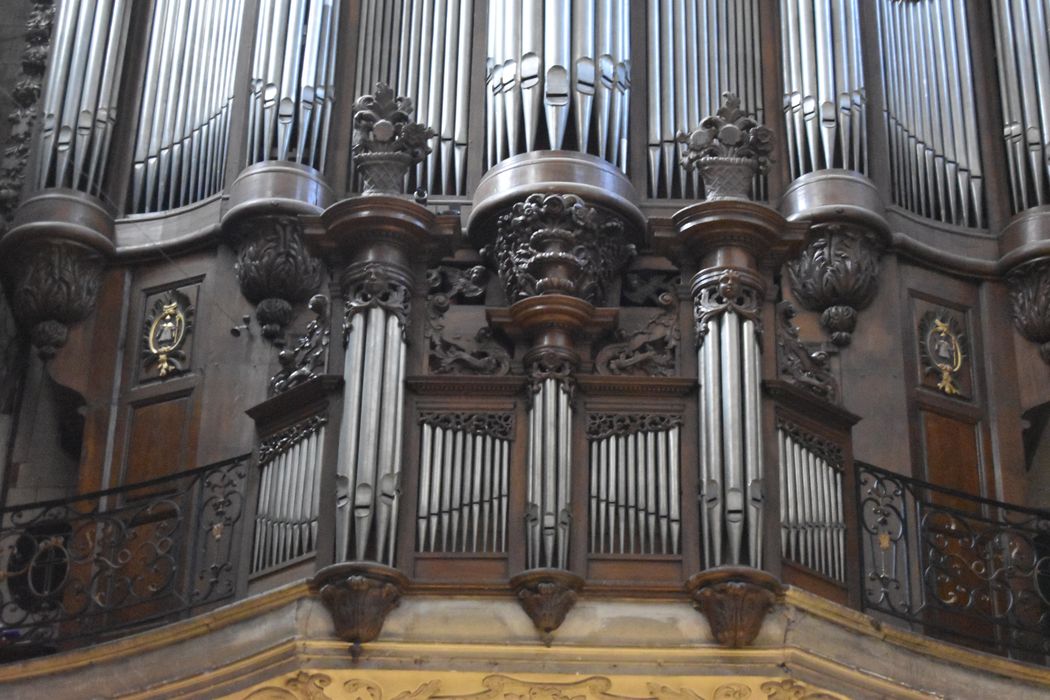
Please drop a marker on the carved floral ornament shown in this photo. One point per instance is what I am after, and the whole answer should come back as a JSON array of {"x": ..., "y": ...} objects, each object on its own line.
[
  {"x": 721, "y": 290},
  {"x": 309, "y": 356},
  {"x": 386, "y": 140},
  {"x": 556, "y": 243},
  {"x": 306, "y": 685},
  {"x": 796, "y": 363},
  {"x": 837, "y": 275}
]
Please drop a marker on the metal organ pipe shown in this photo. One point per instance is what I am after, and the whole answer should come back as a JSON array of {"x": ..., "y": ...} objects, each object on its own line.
[
  {"x": 553, "y": 63},
  {"x": 79, "y": 103},
  {"x": 1022, "y": 30},
  {"x": 548, "y": 518},
  {"x": 931, "y": 116}
]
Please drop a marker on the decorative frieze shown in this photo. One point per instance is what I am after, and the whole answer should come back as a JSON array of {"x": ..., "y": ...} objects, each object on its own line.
[
  {"x": 495, "y": 425},
  {"x": 603, "y": 425},
  {"x": 280, "y": 442}
]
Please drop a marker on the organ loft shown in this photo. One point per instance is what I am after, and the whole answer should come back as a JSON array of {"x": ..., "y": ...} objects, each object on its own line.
[{"x": 430, "y": 349}]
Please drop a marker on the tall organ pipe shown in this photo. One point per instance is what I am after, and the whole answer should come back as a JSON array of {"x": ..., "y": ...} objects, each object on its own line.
[
  {"x": 548, "y": 518},
  {"x": 931, "y": 114},
  {"x": 80, "y": 93},
  {"x": 558, "y": 76},
  {"x": 824, "y": 95}
]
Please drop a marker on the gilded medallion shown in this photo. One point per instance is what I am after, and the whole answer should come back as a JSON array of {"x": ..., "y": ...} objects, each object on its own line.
[
  {"x": 166, "y": 330},
  {"x": 942, "y": 343}
]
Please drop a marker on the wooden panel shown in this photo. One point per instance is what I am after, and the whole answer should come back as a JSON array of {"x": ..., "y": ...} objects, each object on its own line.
[
  {"x": 157, "y": 438},
  {"x": 952, "y": 454},
  {"x": 651, "y": 569}
]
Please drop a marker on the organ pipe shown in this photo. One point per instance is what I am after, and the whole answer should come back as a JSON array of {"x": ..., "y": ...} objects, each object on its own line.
[
  {"x": 931, "y": 116},
  {"x": 558, "y": 75},
  {"x": 548, "y": 517},
  {"x": 1021, "y": 30},
  {"x": 79, "y": 103}
]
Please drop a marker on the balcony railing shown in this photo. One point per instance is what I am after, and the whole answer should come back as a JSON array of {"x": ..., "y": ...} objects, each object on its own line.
[
  {"x": 101, "y": 564},
  {"x": 970, "y": 570}
]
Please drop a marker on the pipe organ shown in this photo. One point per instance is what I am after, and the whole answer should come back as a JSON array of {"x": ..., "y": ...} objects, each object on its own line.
[
  {"x": 825, "y": 103},
  {"x": 697, "y": 50},
  {"x": 931, "y": 112},
  {"x": 548, "y": 520},
  {"x": 184, "y": 115},
  {"x": 558, "y": 76},
  {"x": 293, "y": 81},
  {"x": 1021, "y": 31},
  {"x": 79, "y": 103}
]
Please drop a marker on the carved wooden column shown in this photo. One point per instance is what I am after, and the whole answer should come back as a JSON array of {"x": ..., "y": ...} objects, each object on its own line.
[
  {"x": 557, "y": 226},
  {"x": 735, "y": 244}
]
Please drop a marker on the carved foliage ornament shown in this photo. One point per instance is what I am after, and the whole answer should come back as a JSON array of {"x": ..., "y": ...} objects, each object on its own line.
[
  {"x": 735, "y": 601},
  {"x": 555, "y": 243},
  {"x": 837, "y": 275},
  {"x": 651, "y": 351},
  {"x": 456, "y": 354},
  {"x": 547, "y": 596},
  {"x": 372, "y": 284},
  {"x": 941, "y": 342},
  {"x": 305, "y": 685},
  {"x": 496, "y": 425},
  {"x": 359, "y": 596},
  {"x": 165, "y": 332},
  {"x": 53, "y": 285},
  {"x": 1030, "y": 296},
  {"x": 275, "y": 270},
  {"x": 551, "y": 363},
  {"x": 603, "y": 425},
  {"x": 826, "y": 450},
  {"x": 796, "y": 364},
  {"x": 26, "y": 93},
  {"x": 722, "y": 290},
  {"x": 386, "y": 140},
  {"x": 309, "y": 355},
  {"x": 279, "y": 443}
]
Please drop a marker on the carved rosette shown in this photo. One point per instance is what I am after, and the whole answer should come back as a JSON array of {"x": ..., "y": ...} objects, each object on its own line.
[
  {"x": 837, "y": 275},
  {"x": 729, "y": 149},
  {"x": 359, "y": 596},
  {"x": 719, "y": 290},
  {"x": 309, "y": 356},
  {"x": 1030, "y": 296},
  {"x": 557, "y": 244},
  {"x": 386, "y": 141},
  {"x": 373, "y": 284},
  {"x": 274, "y": 269},
  {"x": 547, "y": 596},
  {"x": 735, "y": 601},
  {"x": 796, "y": 364},
  {"x": 52, "y": 284}
]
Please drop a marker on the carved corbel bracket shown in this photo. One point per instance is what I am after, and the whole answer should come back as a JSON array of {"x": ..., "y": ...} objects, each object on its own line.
[
  {"x": 837, "y": 274},
  {"x": 274, "y": 269},
  {"x": 1030, "y": 296},
  {"x": 735, "y": 601},
  {"x": 358, "y": 596},
  {"x": 53, "y": 258},
  {"x": 547, "y": 596}
]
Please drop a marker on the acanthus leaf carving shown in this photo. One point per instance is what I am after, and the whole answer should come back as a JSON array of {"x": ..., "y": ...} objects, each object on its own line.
[
  {"x": 309, "y": 355},
  {"x": 359, "y": 595},
  {"x": 275, "y": 270},
  {"x": 1030, "y": 296},
  {"x": 480, "y": 354},
  {"x": 52, "y": 285},
  {"x": 603, "y": 425},
  {"x": 556, "y": 243},
  {"x": 837, "y": 275},
  {"x": 735, "y": 601},
  {"x": 720, "y": 290},
  {"x": 547, "y": 596},
  {"x": 495, "y": 425},
  {"x": 374, "y": 284},
  {"x": 795, "y": 362},
  {"x": 281, "y": 442},
  {"x": 651, "y": 351}
]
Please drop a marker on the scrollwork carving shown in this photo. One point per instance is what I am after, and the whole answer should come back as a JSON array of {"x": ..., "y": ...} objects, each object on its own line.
[
  {"x": 555, "y": 243},
  {"x": 279, "y": 443},
  {"x": 652, "y": 351},
  {"x": 496, "y": 425},
  {"x": 309, "y": 356},
  {"x": 480, "y": 354},
  {"x": 52, "y": 285},
  {"x": 1030, "y": 296},
  {"x": 650, "y": 288},
  {"x": 375, "y": 284},
  {"x": 27, "y": 87},
  {"x": 837, "y": 275},
  {"x": 275, "y": 270},
  {"x": 830, "y": 452},
  {"x": 603, "y": 425},
  {"x": 796, "y": 364},
  {"x": 551, "y": 363},
  {"x": 719, "y": 290}
]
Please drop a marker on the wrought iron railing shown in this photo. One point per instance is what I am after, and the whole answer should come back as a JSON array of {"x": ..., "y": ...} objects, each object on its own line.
[
  {"x": 967, "y": 569},
  {"x": 87, "y": 568}
]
